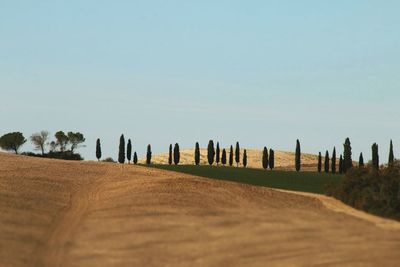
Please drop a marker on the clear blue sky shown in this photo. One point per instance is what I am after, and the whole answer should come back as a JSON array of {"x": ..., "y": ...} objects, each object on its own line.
[{"x": 260, "y": 72}]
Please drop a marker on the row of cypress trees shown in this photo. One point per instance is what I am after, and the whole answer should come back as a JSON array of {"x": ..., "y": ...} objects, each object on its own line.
[
  {"x": 346, "y": 162},
  {"x": 268, "y": 158}
]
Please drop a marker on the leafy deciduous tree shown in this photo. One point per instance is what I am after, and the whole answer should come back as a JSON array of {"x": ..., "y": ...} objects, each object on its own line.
[
  {"x": 12, "y": 141},
  {"x": 39, "y": 140}
]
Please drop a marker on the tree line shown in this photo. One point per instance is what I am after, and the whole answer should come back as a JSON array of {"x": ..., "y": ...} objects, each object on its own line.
[{"x": 63, "y": 146}]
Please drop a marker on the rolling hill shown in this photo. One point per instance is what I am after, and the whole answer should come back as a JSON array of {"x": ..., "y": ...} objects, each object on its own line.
[{"x": 59, "y": 213}]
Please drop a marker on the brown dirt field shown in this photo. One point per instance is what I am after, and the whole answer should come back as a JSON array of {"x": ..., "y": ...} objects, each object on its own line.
[
  {"x": 283, "y": 160},
  {"x": 58, "y": 213}
]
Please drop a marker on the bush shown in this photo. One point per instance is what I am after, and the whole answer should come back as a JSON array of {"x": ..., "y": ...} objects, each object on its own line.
[
  {"x": 371, "y": 190},
  {"x": 109, "y": 159},
  {"x": 56, "y": 155}
]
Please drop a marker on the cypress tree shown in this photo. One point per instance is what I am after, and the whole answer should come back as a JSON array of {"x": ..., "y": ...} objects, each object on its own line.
[
  {"x": 361, "y": 160},
  {"x": 391, "y": 154},
  {"x": 129, "y": 151},
  {"x": 98, "y": 149},
  {"x": 210, "y": 152},
  {"x": 177, "y": 154},
  {"x": 223, "y": 157},
  {"x": 121, "y": 154},
  {"x": 170, "y": 155},
  {"x": 375, "y": 156},
  {"x": 231, "y": 156},
  {"x": 271, "y": 160},
  {"x": 148, "y": 155},
  {"x": 347, "y": 160},
  {"x": 197, "y": 154},
  {"x": 298, "y": 156},
  {"x": 245, "y": 158},
  {"x": 341, "y": 164},
  {"x": 327, "y": 162},
  {"x": 265, "y": 158},
  {"x": 319, "y": 162},
  {"x": 334, "y": 161},
  {"x": 135, "y": 159},
  {"x": 217, "y": 155},
  {"x": 237, "y": 154}
]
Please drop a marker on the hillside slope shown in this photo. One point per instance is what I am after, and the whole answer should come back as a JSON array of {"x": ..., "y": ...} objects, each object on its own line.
[{"x": 58, "y": 213}]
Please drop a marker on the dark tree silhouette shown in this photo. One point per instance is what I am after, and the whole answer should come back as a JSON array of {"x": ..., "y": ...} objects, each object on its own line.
[
  {"x": 347, "y": 160},
  {"x": 327, "y": 162},
  {"x": 197, "y": 154},
  {"x": 148, "y": 155},
  {"x": 245, "y": 158},
  {"x": 129, "y": 151},
  {"x": 121, "y": 154},
  {"x": 170, "y": 155},
  {"x": 271, "y": 160},
  {"x": 217, "y": 154},
  {"x": 265, "y": 158},
  {"x": 341, "y": 164},
  {"x": 177, "y": 154},
  {"x": 334, "y": 160},
  {"x": 135, "y": 158},
  {"x": 223, "y": 157},
  {"x": 298, "y": 156},
  {"x": 98, "y": 149},
  {"x": 237, "y": 154},
  {"x": 375, "y": 156},
  {"x": 231, "y": 156},
  {"x": 319, "y": 162},
  {"x": 211, "y": 152},
  {"x": 391, "y": 154},
  {"x": 361, "y": 160}
]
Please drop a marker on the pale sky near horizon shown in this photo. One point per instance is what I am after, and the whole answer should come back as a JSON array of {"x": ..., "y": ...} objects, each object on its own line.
[{"x": 260, "y": 72}]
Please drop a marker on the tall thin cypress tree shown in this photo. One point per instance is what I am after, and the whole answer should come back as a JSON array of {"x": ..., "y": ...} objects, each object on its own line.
[
  {"x": 319, "y": 162},
  {"x": 231, "y": 156},
  {"x": 298, "y": 156},
  {"x": 237, "y": 154},
  {"x": 391, "y": 153},
  {"x": 148, "y": 155},
  {"x": 347, "y": 160},
  {"x": 210, "y": 152},
  {"x": 98, "y": 149},
  {"x": 271, "y": 161},
  {"x": 375, "y": 156},
  {"x": 177, "y": 154},
  {"x": 135, "y": 158},
  {"x": 129, "y": 151},
  {"x": 341, "y": 164},
  {"x": 245, "y": 158},
  {"x": 223, "y": 157},
  {"x": 170, "y": 154},
  {"x": 121, "y": 154},
  {"x": 361, "y": 160},
  {"x": 217, "y": 154},
  {"x": 265, "y": 158},
  {"x": 334, "y": 160},
  {"x": 327, "y": 162},
  {"x": 197, "y": 154}
]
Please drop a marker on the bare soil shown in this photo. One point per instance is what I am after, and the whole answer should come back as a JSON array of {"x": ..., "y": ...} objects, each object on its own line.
[{"x": 58, "y": 213}]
